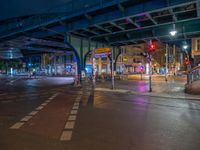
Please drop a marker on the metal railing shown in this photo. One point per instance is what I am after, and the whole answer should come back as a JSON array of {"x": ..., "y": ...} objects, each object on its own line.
[{"x": 193, "y": 75}]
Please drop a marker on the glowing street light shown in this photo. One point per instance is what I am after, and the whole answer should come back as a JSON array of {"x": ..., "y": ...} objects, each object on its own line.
[
  {"x": 173, "y": 32},
  {"x": 185, "y": 46}
]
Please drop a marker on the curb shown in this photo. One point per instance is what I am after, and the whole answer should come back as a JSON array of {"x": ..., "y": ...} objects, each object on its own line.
[{"x": 144, "y": 94}]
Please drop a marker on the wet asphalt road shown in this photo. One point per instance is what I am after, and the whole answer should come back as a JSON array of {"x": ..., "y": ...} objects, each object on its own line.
[{"x": 105, "y": 120}]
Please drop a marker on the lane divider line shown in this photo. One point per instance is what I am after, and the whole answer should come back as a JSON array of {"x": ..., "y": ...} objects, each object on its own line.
[
  {"x": 76, "y": 104},
  {"x": 72, "y": 118},
  {"x": 75, "y": 107},
  {"x": 66, "y": 136},
  {"x": 17, "y": 125},
  {"x": 74, "y": 112},
  {"x": 69, "y": 125},
  {"x": 26, "y": 118},
  {"x": 39, "y": 108},
  {"x": 31, "y": 114},
  {"x": 44, "y": 104}
]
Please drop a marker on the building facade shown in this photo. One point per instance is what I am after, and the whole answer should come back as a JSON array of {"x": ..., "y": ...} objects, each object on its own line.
[{"x": 196, "y": 51}]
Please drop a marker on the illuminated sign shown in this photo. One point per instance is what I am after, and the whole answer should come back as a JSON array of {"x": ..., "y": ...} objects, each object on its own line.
[
  {"x": 100, "y": 55},
  {"x": 102, "y": 50}
]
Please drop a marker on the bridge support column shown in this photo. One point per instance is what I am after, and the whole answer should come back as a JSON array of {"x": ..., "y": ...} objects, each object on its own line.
[
  {"x": 99, "y": 66},
  {"x": 108, "y": 66}
]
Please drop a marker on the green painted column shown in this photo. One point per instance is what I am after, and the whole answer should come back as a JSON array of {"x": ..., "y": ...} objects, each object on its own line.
[{"x": 81, "y": 55}]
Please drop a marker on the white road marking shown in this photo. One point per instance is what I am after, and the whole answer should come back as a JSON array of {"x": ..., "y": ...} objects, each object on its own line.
[
  {"x": 72, "y": 118},
  {"x": 66, "y": 136},
  {"x": 78, "y": 100},
  {"x": 69, "y": 125},
  {"x": 76, "y": 104},
  {"x": 74, "y": 112},
  {"x": 17, "y": 125},
  {"x": 33, "y": 113},
  {"x": 44, "y": 104},
  {"x": 56, "y": 94},
  {"x": 26, "y": 118},
  {"x": 75, "y": 107},
  {"x": 39, "y": 108}
]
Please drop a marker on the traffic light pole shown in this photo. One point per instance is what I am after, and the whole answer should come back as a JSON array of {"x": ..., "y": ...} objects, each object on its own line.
[
  {"x": 150, "y": 73},
  {"x": 151, "y": 50}
]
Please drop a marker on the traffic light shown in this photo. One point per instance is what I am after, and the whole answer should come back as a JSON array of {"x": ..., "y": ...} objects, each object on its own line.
[
  {"x": 186, "y": 62},
  {"x": 152, "y": 47}
]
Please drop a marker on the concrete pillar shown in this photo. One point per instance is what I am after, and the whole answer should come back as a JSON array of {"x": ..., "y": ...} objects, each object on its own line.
[
  {"x": 99, "y": 66},
  {"x": 120, "y": 67},
  {"x": 125, "y": 69},
  {"x": 108, "y": 66}
]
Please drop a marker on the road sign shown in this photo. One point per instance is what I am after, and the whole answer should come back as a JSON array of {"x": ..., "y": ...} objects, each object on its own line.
[
  {"x": 102, "y": 50},
  {"x": 100, "y": 55}
]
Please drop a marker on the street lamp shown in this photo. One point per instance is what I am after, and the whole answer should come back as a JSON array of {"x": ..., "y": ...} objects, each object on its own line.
[
  {"x": 173, "y": 31},
  {"x": 185, "y": 46}
]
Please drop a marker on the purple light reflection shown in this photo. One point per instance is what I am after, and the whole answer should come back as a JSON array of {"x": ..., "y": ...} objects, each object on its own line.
[
  {"x": 141, "y": 101},
  {"x": 141, "y": 87}
]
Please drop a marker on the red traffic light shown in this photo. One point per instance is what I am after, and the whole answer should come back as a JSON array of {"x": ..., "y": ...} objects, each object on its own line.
[
  {"x": 152, "y": 47},
  {"x": 186, "y": 62}
]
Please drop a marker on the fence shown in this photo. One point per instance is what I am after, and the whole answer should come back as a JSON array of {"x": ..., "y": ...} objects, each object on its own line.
[{"x": 193, "y": 75}]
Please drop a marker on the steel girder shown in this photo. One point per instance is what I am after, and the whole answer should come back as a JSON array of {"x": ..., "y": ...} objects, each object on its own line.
[
  {"x": 187, "y": 27},
  {"x": 84, "y": 27},
  {"x": 36, "y": 21},
  {"x": 126, "y": 13}
]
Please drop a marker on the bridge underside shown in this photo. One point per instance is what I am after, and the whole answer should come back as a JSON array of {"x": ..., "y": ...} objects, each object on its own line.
[{"x": 81, "y": 25}]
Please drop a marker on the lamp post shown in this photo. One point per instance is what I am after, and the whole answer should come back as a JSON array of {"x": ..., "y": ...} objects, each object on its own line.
[{"x": 173, "y": 33}]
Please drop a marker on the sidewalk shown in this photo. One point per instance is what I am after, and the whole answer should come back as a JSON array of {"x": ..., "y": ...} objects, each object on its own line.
[
  {"x": 170, "y": 89},
  {"x": 193, "y": 88}
]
